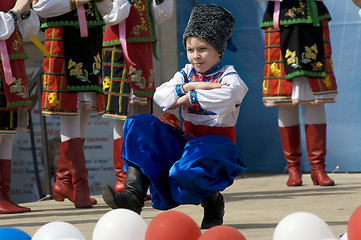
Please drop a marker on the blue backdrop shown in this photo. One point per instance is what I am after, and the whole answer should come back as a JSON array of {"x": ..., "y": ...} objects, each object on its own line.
[{"x": 257, "y": 129}]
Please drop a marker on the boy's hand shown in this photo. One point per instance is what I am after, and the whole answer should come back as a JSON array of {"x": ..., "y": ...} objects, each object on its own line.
[{"x": 183, "y": 101}]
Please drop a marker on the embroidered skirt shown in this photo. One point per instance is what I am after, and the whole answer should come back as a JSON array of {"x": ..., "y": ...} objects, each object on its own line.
[
  {"x": 74, "y": 67},
  {"x": 119, "y": 96},
  {"x": 283, "y": 84},
  {"x": 116, "y": 85},
  {"x": 180, "y": 172},
  {"x": 14, "y": 99}
]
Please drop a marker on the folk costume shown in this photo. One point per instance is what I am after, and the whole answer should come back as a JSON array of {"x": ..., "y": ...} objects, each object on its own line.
[
  {"x": 298, "y": 71},
  {"x": 72, "y": 85},
  {"x": 14, "y": 96},
  {"x": 128, "y": 79},
  {"x": 189, "y": 165}
]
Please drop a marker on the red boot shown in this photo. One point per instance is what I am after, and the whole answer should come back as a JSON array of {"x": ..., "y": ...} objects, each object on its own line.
[
  {"x": 118, "y": 166},
  {"x": 316, "y": 147},
  {"x": 7, "y": 205},
  {"x": 63, "y": 186},
  {"x": 290, "y": 139},
  {"x": 79, "y": 173}
]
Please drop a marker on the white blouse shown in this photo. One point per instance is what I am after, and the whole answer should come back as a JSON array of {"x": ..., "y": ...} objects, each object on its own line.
[
  {"x": 28, "y": 27},
  {"x": 224, "y": 102},
  {"x": 113, "y": 12}
]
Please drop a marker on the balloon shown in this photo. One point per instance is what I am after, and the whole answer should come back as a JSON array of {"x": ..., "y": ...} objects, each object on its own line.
[
  {"x": 301, "y": 226},
  {"x": 222, "y": 232},
  {"x": 172, "y": 225},
  {"x": 353, "y": 226},
  {"x": 13, "y": 233},
  {"x": 119, "y": 224},
  {"x": 58, "y": 231},
  {"x": 344, "y": 236}
]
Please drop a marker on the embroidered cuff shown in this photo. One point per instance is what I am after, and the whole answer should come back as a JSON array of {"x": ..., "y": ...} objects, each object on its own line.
[
  {"x": 25, "y": 15},
  {"x": 13, "y": 14},
  {"x": 179, "y": 90},
  {"x": 193, "y": 98},
  {"x": 73, "y": 4},
  {"x": 158, "y": 1}
]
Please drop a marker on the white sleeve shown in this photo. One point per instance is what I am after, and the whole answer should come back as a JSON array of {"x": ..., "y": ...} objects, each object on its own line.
[
  {"x": 116, "y": 12},
  {"x": 29, "y": 27},
  {"x": 104, "y": 7},
  {"x": 162, "y": 12},
  {"x": 165, "y": 95},
  {"x": 225, "y": 99},
  {"x": 51, "y": 8},
  {"x": 7, "y": 26}
]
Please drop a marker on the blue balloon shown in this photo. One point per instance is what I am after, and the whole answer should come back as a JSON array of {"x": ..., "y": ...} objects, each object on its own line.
[{"x": 13, "y": 233}]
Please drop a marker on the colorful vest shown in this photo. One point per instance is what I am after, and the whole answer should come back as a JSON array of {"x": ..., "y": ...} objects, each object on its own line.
[
  {"x": 92, "y": 14},
  {"x": 139, "y": 26}
]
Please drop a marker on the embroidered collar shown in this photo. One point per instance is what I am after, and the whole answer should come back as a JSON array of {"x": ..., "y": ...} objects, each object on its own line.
[{"x": 213, "y": 70}]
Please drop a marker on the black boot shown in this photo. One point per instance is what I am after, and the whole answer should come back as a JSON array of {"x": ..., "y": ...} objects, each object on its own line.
[
  {"x": 136, "y": 187},
  {"x": 213, "y": 210}
]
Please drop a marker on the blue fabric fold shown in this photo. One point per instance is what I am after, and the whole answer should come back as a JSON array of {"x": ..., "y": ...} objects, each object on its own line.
[
  {"x": 209, "y": 164},
  {"x": 179, "y": 172}
]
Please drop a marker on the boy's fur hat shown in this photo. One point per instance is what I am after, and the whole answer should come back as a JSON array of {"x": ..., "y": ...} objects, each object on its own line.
[{"x": 212, "y": 23}]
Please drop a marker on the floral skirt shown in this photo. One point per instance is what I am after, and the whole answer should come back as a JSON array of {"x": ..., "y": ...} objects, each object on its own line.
[
  {"x": 303, "y": 87},
  {"x": 67, "y": 74}
]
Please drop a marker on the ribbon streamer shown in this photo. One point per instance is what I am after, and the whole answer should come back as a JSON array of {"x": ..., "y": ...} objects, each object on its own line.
[
  {"x": 82, "y": 21},
  {"x": 123, "y": 41},
  {"x": 42, "y": 48},
  {"x": 276, "y": 15},
  {"x": 6, "y": 62},
  {"x": 314, "y": 13}
]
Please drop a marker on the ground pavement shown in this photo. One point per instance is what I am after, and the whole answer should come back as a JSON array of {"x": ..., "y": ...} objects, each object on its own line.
[{"x": 255, "y": 204}]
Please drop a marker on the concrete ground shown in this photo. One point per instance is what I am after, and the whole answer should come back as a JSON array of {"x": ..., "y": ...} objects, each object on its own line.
[{"x": 255, "y": 204}]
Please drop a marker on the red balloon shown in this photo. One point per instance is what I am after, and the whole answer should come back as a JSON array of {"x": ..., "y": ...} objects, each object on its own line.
[
  {"x": 353, "y": 226},
  {"x": 172, "y": 225},
  {"x": 222, "y": 233}
]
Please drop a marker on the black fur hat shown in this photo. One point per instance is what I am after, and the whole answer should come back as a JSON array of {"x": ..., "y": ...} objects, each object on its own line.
[{"x": 212, "y": 23}]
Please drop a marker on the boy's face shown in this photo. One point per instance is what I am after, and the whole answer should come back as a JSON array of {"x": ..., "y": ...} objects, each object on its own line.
[{"x": 201, "y": 54}]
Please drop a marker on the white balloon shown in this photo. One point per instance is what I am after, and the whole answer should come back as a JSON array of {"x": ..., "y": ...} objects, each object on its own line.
[
  {"x": 344, "y": 236},
  {"x": 58, "y": 231},
  {"x": 301, "y": 226},
  {"x": 119, "y": 224}
]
